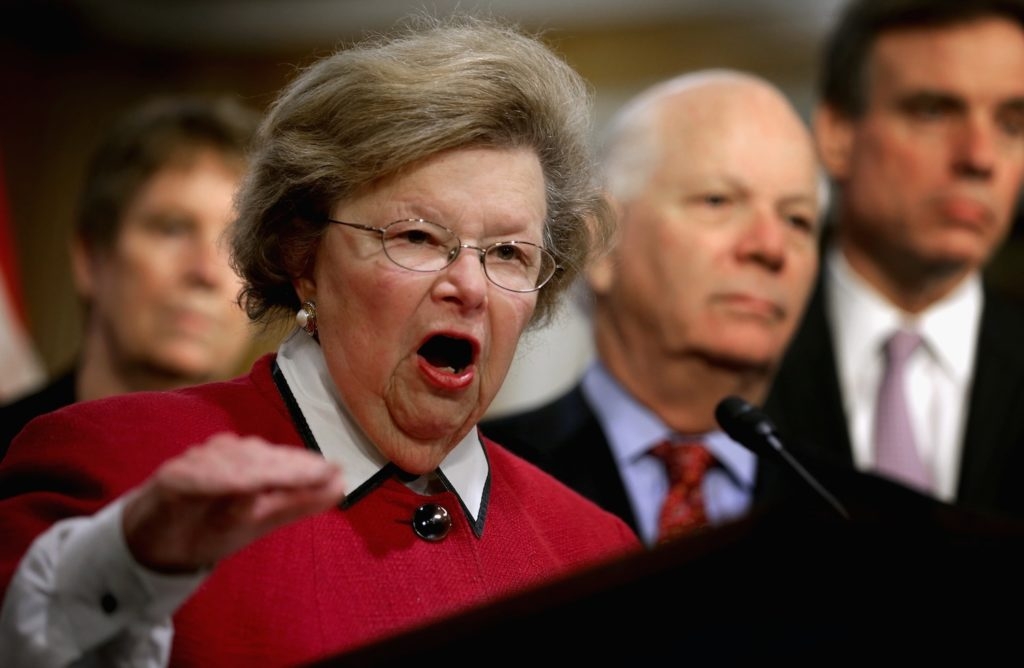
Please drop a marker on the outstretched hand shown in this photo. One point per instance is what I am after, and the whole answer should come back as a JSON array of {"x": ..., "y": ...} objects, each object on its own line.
[{"x": 220, "y": 496}]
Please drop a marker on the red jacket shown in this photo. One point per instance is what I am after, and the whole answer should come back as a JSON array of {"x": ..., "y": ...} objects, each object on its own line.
[{"x": 320, "y": 585}]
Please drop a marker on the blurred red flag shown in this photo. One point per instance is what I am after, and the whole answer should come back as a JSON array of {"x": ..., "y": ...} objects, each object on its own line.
[{"x": 20, "y": 367}]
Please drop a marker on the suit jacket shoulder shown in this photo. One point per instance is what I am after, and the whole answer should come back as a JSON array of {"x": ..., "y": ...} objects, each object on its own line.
[{"x": 565, "y": 438}]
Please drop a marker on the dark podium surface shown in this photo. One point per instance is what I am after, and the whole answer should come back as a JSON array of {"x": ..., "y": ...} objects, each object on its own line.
[{"x": 904, "y": 578}]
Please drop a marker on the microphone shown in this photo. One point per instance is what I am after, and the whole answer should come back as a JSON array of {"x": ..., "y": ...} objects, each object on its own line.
[{"x": 754, "y": 430}]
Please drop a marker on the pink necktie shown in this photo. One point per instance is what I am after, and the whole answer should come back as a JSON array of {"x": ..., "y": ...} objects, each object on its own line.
[
  {"x": 683, "y": 508},
  {"x": 896, "y": 452}
]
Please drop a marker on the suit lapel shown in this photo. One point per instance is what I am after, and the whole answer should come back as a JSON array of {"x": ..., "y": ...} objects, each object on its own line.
[
  {"x": 585, "y": 441},
  {"x": 995, "y": 421},
  {"x": 565, "y": 439}
]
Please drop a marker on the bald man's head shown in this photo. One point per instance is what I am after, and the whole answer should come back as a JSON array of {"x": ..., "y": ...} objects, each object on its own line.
[
  {"x": 716, "y": 182},
  {"x": 709, "y": 103}
]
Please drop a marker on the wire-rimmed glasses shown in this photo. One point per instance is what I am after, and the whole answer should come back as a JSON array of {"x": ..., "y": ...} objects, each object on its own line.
[{"x": 420, "y": 245}]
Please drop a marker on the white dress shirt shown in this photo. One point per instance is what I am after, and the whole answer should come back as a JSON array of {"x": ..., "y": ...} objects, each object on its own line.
[
  {"x": 50, "y": 617},
  {"x": 938, "y": 374}
]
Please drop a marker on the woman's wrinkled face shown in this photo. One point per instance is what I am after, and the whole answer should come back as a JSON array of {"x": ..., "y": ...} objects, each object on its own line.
[{"x": 418, "y": 356}]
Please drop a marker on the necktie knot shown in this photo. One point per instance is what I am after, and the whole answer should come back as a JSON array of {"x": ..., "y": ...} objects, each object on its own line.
[
  {"x": 901, "y": 346},
  {"x": 683, "y": 508},
  {"x": 684, "y": 462}
]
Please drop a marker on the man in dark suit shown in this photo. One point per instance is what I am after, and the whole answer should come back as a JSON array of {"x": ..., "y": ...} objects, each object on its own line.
[
  {"x": 921, "y": 128},
  {"x": 718, "y": 192}
]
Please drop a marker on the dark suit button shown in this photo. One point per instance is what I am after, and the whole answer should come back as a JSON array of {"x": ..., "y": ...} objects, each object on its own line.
[
  {"x": 431, "y": 522},
  {"x": 108, "y": 603}
]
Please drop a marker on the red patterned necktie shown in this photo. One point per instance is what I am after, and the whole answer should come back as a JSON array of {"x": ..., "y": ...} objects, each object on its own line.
[{"x": 683, "y": 508}]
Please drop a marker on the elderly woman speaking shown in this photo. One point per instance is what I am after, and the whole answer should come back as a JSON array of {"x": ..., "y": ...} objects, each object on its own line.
[{"x": 418, "y": 200}]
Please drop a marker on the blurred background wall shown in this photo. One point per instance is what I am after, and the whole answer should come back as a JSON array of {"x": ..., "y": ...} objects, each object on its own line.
[{"x": 67, "y": 68}]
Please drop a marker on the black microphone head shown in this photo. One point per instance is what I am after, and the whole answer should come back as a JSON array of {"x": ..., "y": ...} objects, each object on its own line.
[
  {"x": 731, "y": 408},
  {"x": 744, "y": 424}
]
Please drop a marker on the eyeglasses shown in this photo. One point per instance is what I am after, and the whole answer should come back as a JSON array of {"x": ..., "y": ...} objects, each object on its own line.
[{"x": 420, "y": 245}]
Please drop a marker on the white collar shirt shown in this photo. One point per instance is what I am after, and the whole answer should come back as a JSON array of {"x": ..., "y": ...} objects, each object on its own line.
[
  {"x": 938, "y": 375},
  {"x": 463, "y": 471}
]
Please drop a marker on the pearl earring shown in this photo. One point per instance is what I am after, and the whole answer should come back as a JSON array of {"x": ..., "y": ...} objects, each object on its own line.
[{"x": 306, "y": 317}]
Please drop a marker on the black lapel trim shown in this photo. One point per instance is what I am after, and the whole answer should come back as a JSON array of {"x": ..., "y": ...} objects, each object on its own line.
[
  {"x": 384, "y": 473},
  {"x": 307, "y": 437},
  {"x": 375, "y": 481},
  {"x": 478, "y": 525},
  {"x": 293, "y": 409}
]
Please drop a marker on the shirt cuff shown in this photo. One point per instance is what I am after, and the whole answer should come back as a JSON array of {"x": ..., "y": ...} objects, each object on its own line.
[{"x": 102, "y": 591}]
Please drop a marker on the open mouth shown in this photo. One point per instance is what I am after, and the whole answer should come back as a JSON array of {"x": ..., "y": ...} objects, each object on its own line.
[{"x": 448, "y": 353}]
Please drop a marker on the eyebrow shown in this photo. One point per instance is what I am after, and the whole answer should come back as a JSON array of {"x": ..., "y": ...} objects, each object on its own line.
[
  {"x": 1015, "y": 104},
  {"x": 801, "y": 199},
  {"x": 917, "y": 97},
  {"x": 953, "y": 100},
  {"x": 165, "y": 215}
]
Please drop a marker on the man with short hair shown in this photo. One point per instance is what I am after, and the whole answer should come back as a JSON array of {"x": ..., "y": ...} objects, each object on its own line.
[{"x": 921, "y": 127}]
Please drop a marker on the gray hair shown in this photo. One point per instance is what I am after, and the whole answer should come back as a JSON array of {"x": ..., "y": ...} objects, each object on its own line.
[{"x": 367, "y": 112}]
